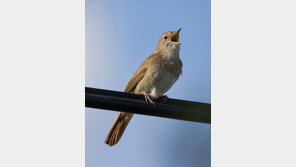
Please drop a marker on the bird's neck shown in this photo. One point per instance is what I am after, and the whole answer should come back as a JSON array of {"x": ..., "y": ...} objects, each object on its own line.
[{"x": 169, "y": 53}]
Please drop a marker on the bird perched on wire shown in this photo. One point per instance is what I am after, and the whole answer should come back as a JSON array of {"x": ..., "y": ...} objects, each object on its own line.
[{"x": 154, "y": 77}]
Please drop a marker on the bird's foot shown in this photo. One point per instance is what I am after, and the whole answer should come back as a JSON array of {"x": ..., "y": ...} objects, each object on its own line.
[
  {"x": 147, "y": 97},
  {"x": 165, "y": 98}
]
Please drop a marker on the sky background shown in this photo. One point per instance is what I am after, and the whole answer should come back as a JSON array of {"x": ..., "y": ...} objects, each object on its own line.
[{"x": 119, "y": 36}]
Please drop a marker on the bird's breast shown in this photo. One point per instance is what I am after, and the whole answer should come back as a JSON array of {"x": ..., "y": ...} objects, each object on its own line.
[
  {"x": 161, "y": 76},
  {"x": 163, "y": 81}
]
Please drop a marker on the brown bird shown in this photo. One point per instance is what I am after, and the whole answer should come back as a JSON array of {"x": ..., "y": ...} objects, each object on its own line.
[{"x": 154, "y": 77}]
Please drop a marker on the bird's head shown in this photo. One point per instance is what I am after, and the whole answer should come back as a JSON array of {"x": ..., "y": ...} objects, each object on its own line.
[{"x": 169, "y": 41}]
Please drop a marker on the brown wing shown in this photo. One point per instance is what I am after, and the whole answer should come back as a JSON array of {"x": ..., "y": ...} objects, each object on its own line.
[
  {"x": 138, "y": 75},
  {"x": 136, "y": 78}
]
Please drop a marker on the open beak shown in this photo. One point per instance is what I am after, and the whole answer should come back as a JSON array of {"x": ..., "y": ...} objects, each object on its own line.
[{"x": 175, "y": 37}]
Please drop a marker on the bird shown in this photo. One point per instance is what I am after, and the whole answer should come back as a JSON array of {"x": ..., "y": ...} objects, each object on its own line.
[{"x": 154, "y": 77}]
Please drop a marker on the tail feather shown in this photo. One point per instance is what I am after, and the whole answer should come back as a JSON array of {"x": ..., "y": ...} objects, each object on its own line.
[{"x": 118, "y": 128}]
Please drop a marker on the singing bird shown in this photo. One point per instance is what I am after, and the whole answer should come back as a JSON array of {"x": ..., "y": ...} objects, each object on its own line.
[{"x": 154, "y": 77}]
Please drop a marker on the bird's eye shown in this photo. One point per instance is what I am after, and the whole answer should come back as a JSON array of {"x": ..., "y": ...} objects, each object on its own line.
[{"x": 165, "y": 37}]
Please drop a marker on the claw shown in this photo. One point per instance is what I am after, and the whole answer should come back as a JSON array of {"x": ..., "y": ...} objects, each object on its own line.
[
  {"x": 165, "y": 98},
  {"x": 147, "y": 97}
]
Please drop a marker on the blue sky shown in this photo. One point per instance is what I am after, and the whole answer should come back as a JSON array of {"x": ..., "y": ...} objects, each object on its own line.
[{"x": 119, "y": 36}]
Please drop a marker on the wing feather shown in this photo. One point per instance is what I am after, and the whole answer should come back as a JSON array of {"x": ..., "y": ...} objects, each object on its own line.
[
  {"x": 136, "y": 78},
  {"x": 138, "y": 75}
]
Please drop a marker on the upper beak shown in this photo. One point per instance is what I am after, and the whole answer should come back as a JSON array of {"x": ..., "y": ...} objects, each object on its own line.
[{"x": 175, "y": 37}]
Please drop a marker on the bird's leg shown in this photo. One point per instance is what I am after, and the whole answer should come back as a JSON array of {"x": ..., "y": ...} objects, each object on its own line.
[
  {"x": 165, "y": 98},
  {"x": 147, "y": 97}
]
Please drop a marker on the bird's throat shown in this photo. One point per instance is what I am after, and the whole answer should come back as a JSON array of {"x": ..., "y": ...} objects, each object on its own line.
[{"x": 170, "y": 53}]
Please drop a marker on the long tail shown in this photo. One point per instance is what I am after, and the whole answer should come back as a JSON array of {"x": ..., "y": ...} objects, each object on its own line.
[{"x": 118, "y": 128}]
